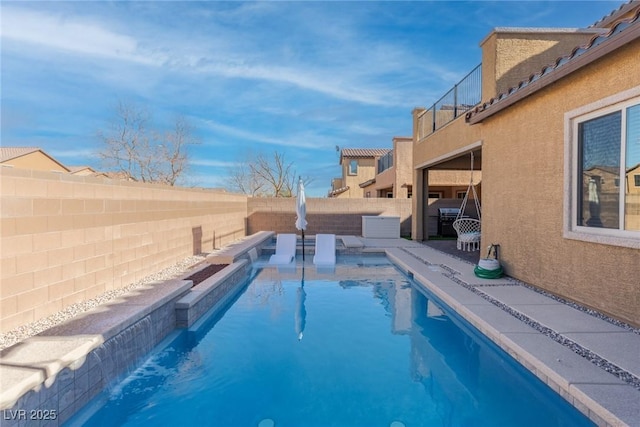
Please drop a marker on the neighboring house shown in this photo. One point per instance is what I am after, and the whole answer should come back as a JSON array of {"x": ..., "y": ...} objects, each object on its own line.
[
  {"x": 633, "y": 179},
  {"x": 393, "y": 176},
  {"x": 556, "y": 135},
  {"x": 358, "y": 166},
  {"x": 632, "y": 197},
  {"x": 82, "y": 170},
  {"x": 35, "y": 158},
  {"x": 30, "y": 158}
]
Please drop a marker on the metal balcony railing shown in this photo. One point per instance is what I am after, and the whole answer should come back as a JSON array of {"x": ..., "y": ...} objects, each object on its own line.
[
  {"x": 385, "y": 162},
  {"x": 462, "y": 97}
]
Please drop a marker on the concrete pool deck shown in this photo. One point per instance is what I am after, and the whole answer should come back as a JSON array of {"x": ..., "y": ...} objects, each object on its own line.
[{"x": 592, "y": 362}]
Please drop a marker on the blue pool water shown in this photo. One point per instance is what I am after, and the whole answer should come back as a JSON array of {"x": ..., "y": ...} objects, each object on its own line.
[{"x": 362, "y": 347}]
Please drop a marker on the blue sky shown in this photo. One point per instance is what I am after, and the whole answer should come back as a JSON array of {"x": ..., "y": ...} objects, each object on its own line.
[{"x": 299, "y": 78}]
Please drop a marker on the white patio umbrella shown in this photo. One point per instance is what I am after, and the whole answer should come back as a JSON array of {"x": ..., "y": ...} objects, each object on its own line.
[
  {"x": 301, "y": 212},
  {"x": 301, "y": 224}
]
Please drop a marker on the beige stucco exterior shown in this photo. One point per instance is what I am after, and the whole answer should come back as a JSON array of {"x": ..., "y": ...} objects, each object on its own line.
[
  {"x": 509, "y": 55},
  {"x": 530, "y": 231},
  {"x": 524, "y": 168},
  {"x": 36, "y": 160},
  {"x": 366, "y": 171},
  {"x": 441, "y": 150},
  {"x": 358, "y": 183},
  {"x": 397, "y": 179}
]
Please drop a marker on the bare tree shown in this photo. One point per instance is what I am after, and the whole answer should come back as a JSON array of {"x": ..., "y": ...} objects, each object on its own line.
[
  {"x": 241, "y": 178},
  {"x": 264, "y": 176},
  {"x": 141, "y": 154}
]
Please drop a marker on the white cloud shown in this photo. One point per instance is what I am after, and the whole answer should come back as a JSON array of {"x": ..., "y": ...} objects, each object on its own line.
[
  {"x": 242, "y": 134},
  {"x": 226, "y": 55},
  {"x": 198, "y": 161},
  {"x": 73, "y": 154},
  {"x": 68, "y": 34}
]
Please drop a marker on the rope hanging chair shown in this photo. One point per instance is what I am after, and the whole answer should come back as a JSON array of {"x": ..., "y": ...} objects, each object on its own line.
[{"x": 468, "y": 229}]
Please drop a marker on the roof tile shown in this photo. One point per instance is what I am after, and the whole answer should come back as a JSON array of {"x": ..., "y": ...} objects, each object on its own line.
[
  {"x": 364, "y": 152},
  {"x": 8, "y": 153},
  {"x": 548, "y": 69}
]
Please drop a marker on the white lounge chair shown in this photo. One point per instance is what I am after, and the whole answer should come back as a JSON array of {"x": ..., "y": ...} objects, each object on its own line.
[
  {"x": 325, "y": 249},
  {"x": 285, "y": 249}
]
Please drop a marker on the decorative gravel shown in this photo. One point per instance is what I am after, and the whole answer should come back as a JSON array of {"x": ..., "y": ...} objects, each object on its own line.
[
  {"x": 620, "y": 373},
  {"x": 21, "y": 333}
]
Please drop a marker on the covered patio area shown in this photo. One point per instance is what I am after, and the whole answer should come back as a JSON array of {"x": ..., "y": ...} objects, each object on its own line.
[{"x": 463, "y": 167}]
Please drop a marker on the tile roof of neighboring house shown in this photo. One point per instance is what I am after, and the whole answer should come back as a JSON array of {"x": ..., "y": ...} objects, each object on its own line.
[
  {"x": 74, "y": 169},
  {"x": 367, "y": 183},
  {"x": 338, "y": 191},
  {"x": 8, "y": 153},
  {"x": 629, "y": 169},
  {"x": 621, "y": 33},
  {"x": 364, "y": 152}
]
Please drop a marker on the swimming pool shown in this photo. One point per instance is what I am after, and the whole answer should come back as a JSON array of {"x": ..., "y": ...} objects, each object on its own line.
[{"x": 362, "y": 347}]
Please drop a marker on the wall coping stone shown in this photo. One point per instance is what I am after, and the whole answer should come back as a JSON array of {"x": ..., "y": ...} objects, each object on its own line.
[
  {"x": 36, "y": 361},
  {"x": 236, "y": 250},
  {"x": 203, "y": 288}
]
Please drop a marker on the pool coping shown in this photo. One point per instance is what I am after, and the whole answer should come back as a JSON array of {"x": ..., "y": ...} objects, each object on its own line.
[
  {"x": 602, "y": 397},
  {"x": 202, "y": 297}
]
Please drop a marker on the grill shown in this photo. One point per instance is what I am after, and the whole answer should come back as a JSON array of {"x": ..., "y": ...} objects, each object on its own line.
[{"x": 446, "y": 217}]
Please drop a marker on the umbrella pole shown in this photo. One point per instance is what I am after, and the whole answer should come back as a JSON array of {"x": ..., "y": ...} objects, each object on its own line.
[{"x": 303, "y": 245}]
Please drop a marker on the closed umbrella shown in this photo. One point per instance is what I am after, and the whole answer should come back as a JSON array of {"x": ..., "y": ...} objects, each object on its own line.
[{"x": 301, "y": 212}]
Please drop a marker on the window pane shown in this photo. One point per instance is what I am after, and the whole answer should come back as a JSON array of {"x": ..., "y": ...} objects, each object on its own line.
[
  {"x": 599, "y": 162},
  {"x": 353, "y": 167},
  {"x": 632, "y": 170}
]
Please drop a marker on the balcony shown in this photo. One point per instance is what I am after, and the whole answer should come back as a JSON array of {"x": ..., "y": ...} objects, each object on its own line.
[
  {"x": 461, "y": 98},
  {"x": 385, "y": 162}
]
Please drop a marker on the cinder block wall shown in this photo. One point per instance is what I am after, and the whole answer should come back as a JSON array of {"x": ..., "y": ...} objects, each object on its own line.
[
  {"x": 65, "y": 238},
  {"x": 337, "y": 216}
]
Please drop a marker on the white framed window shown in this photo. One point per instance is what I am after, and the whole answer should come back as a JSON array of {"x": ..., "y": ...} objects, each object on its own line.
[{"x": 602, "y": 155}]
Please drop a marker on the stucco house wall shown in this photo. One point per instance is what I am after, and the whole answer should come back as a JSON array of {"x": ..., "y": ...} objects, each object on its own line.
[
  {"x": 442, "y": 146},
  {"x": 523, "y": 148},
  {"x": 366, "y": 171},
  {"x": 398, "y": 178},
  {"x": 403, "y": 162},
  {"x": 510, "y": 54}
]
